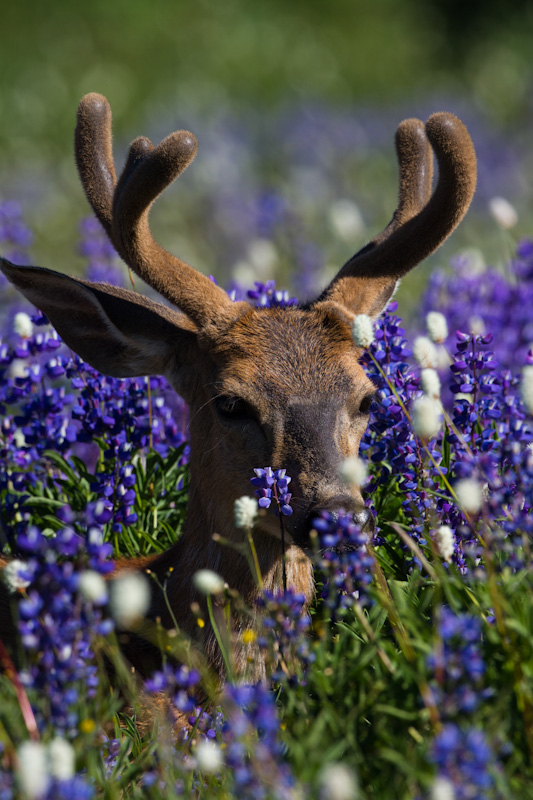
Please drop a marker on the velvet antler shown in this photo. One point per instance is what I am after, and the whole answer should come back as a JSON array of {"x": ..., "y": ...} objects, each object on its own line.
[
  {"x": 415, "y": 161},
  {"x": 123, "y": 208},
  {"x": 367, "y": 280}
]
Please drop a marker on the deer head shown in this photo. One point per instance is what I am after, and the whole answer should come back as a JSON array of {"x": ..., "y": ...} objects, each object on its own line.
[{"x": 276, "y": 386}]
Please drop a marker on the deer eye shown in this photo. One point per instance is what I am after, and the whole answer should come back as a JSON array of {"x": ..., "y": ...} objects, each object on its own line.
[
  {"x": 234, "y": 409},
  {"x": 366, "y": 403}
]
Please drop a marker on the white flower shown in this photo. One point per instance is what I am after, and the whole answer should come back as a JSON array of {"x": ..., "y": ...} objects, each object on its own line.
[
  {"x": 61, "y": 759},
  {"x": 442, "y": 789},
  {"x": 22, "y": 325},
  {"x": 244, "y": 273},
  {"x": 362, "y": 330},
  {"x": 338, "y": 782},
  {"x": 209, "y": 756},
  {"x": 443, "y": 358},
  {"x": 445, "y": 542},
  {"x": 353, "y": 471},
  {"x": 425, "y": 352},
  {"x": 32, "y": 770},
  {"x": 437, "y": 326},
  {"x": 469, "y": 495},
  {"x": 99, "y": 508},
  {"x": 245, "y": 512},
  {"x": 93, "y": 587},
  {"x": 208, "y": 582},
  {"x": 430, "y": 382},
  {"x": 18, "y": 368},
  {"x": 130, "y": 598},
  {"x": 476, "y": 325},
  {"x": 64, "y": 652},
  {"x": 503, "y": 212},
  {"x": 12, "y": 577},
  {"x": 263, "y": 256},
  {"x": 95, "y": 535},
  {"x": 526, "y": 387},
  {"x": 473, "y": 262},
  {"x": 346, "y": 220},
  {"x": 19, "y": 438},
  {"x": 426, "y": 414}
]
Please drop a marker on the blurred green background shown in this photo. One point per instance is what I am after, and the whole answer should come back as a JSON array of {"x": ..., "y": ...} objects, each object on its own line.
[{"x": 235, "y": 71}]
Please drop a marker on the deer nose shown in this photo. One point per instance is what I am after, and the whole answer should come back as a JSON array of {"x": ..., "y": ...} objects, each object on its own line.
[
  {"x": 346, "y": 505},
  {"x": 365, "y": 519}
]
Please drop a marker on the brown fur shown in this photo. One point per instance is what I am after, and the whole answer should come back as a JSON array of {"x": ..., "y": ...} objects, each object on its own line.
[{"x": 294, "y": 372}]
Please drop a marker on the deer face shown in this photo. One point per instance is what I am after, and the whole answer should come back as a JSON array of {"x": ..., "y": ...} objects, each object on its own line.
[{"x": 286, "y": 390}]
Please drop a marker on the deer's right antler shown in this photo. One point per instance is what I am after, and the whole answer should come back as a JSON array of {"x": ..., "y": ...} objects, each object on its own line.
[
  {"x": 415, "y": 161},
  {"x": 123, "y": 208},
  {"x": 420, "y": 223}
]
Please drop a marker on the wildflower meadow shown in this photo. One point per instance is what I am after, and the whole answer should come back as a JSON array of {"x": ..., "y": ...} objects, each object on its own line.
[{"x": 411, "y": 676}]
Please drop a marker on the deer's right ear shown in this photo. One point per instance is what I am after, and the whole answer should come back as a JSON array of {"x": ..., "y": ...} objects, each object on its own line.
[{"x": 118, "y": 332}]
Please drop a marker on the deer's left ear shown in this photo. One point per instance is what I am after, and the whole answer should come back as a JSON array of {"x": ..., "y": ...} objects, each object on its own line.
[{"x": 118, "y": 332}]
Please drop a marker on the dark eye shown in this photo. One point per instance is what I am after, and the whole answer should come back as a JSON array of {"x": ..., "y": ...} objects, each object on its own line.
[
  {"x": 366, "y": 403},
  {"x": 234, "y": 409}
]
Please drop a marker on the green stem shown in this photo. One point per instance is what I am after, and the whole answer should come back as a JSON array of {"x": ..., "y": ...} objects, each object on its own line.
[
  {"x": 255, "y": 559},
  {"x": 223, "y": 650},
  {"x": 283, "y": 564},
  {"x": 282, "y": 532}
]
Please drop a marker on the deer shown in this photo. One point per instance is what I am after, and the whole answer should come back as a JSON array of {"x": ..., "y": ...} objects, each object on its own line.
[{"x": 279, "y": 386}]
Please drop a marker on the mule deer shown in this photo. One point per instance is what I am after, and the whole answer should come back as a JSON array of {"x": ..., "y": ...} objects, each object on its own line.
[{"x": 277, "y": 386}]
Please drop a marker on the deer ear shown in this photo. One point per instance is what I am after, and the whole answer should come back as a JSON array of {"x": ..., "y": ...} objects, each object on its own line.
[
  {"x": 373, "y": 296},
  {"x": 366, "y": 296},
  {"x": 118, "y": 332}
]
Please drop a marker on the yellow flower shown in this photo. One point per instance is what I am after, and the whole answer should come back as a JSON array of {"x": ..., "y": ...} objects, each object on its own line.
[
  {"x": 248, "y": 636},
  {"x": 87, "y": 725}
]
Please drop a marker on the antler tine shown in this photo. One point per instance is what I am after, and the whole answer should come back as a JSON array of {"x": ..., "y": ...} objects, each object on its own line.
[
  {"x": 148, "y": 171},
  {"x": 94, "y": 156},
  {"x": 417, "y": 237},
  {"x": 415, "y": 161},
  {"x": 123, "y": 208}
]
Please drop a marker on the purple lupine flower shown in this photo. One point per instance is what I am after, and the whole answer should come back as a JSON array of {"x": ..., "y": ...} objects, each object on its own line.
[
  {"x": 390, "y": 442},
  {"x": 488, "y": 300},
  {"x": 39, "y": 413},
  {"x": 458, "y": 664},
  {"x": 460, "y": 751},
  {"x": 15, "y": 237},
  {"x": 55, "y": 627},
  {"x": 103, "y": 262},
  {"x": 463, "y": 756},
  {"x": 110, "y": 752},
  {"x": 180, "y": 683},
  {"x": 272, "y": 485},
  {"x": 207, "y": 723},
  {"x": 283, "y": 632},
  {"x": 252, "y": 748},
  {"x": 266, "y": 295},
  {"x": 344, "y": 560}
]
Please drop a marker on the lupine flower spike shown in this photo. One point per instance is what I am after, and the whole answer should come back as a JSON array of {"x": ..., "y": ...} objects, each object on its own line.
[{"x": 272, "y": 485}]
